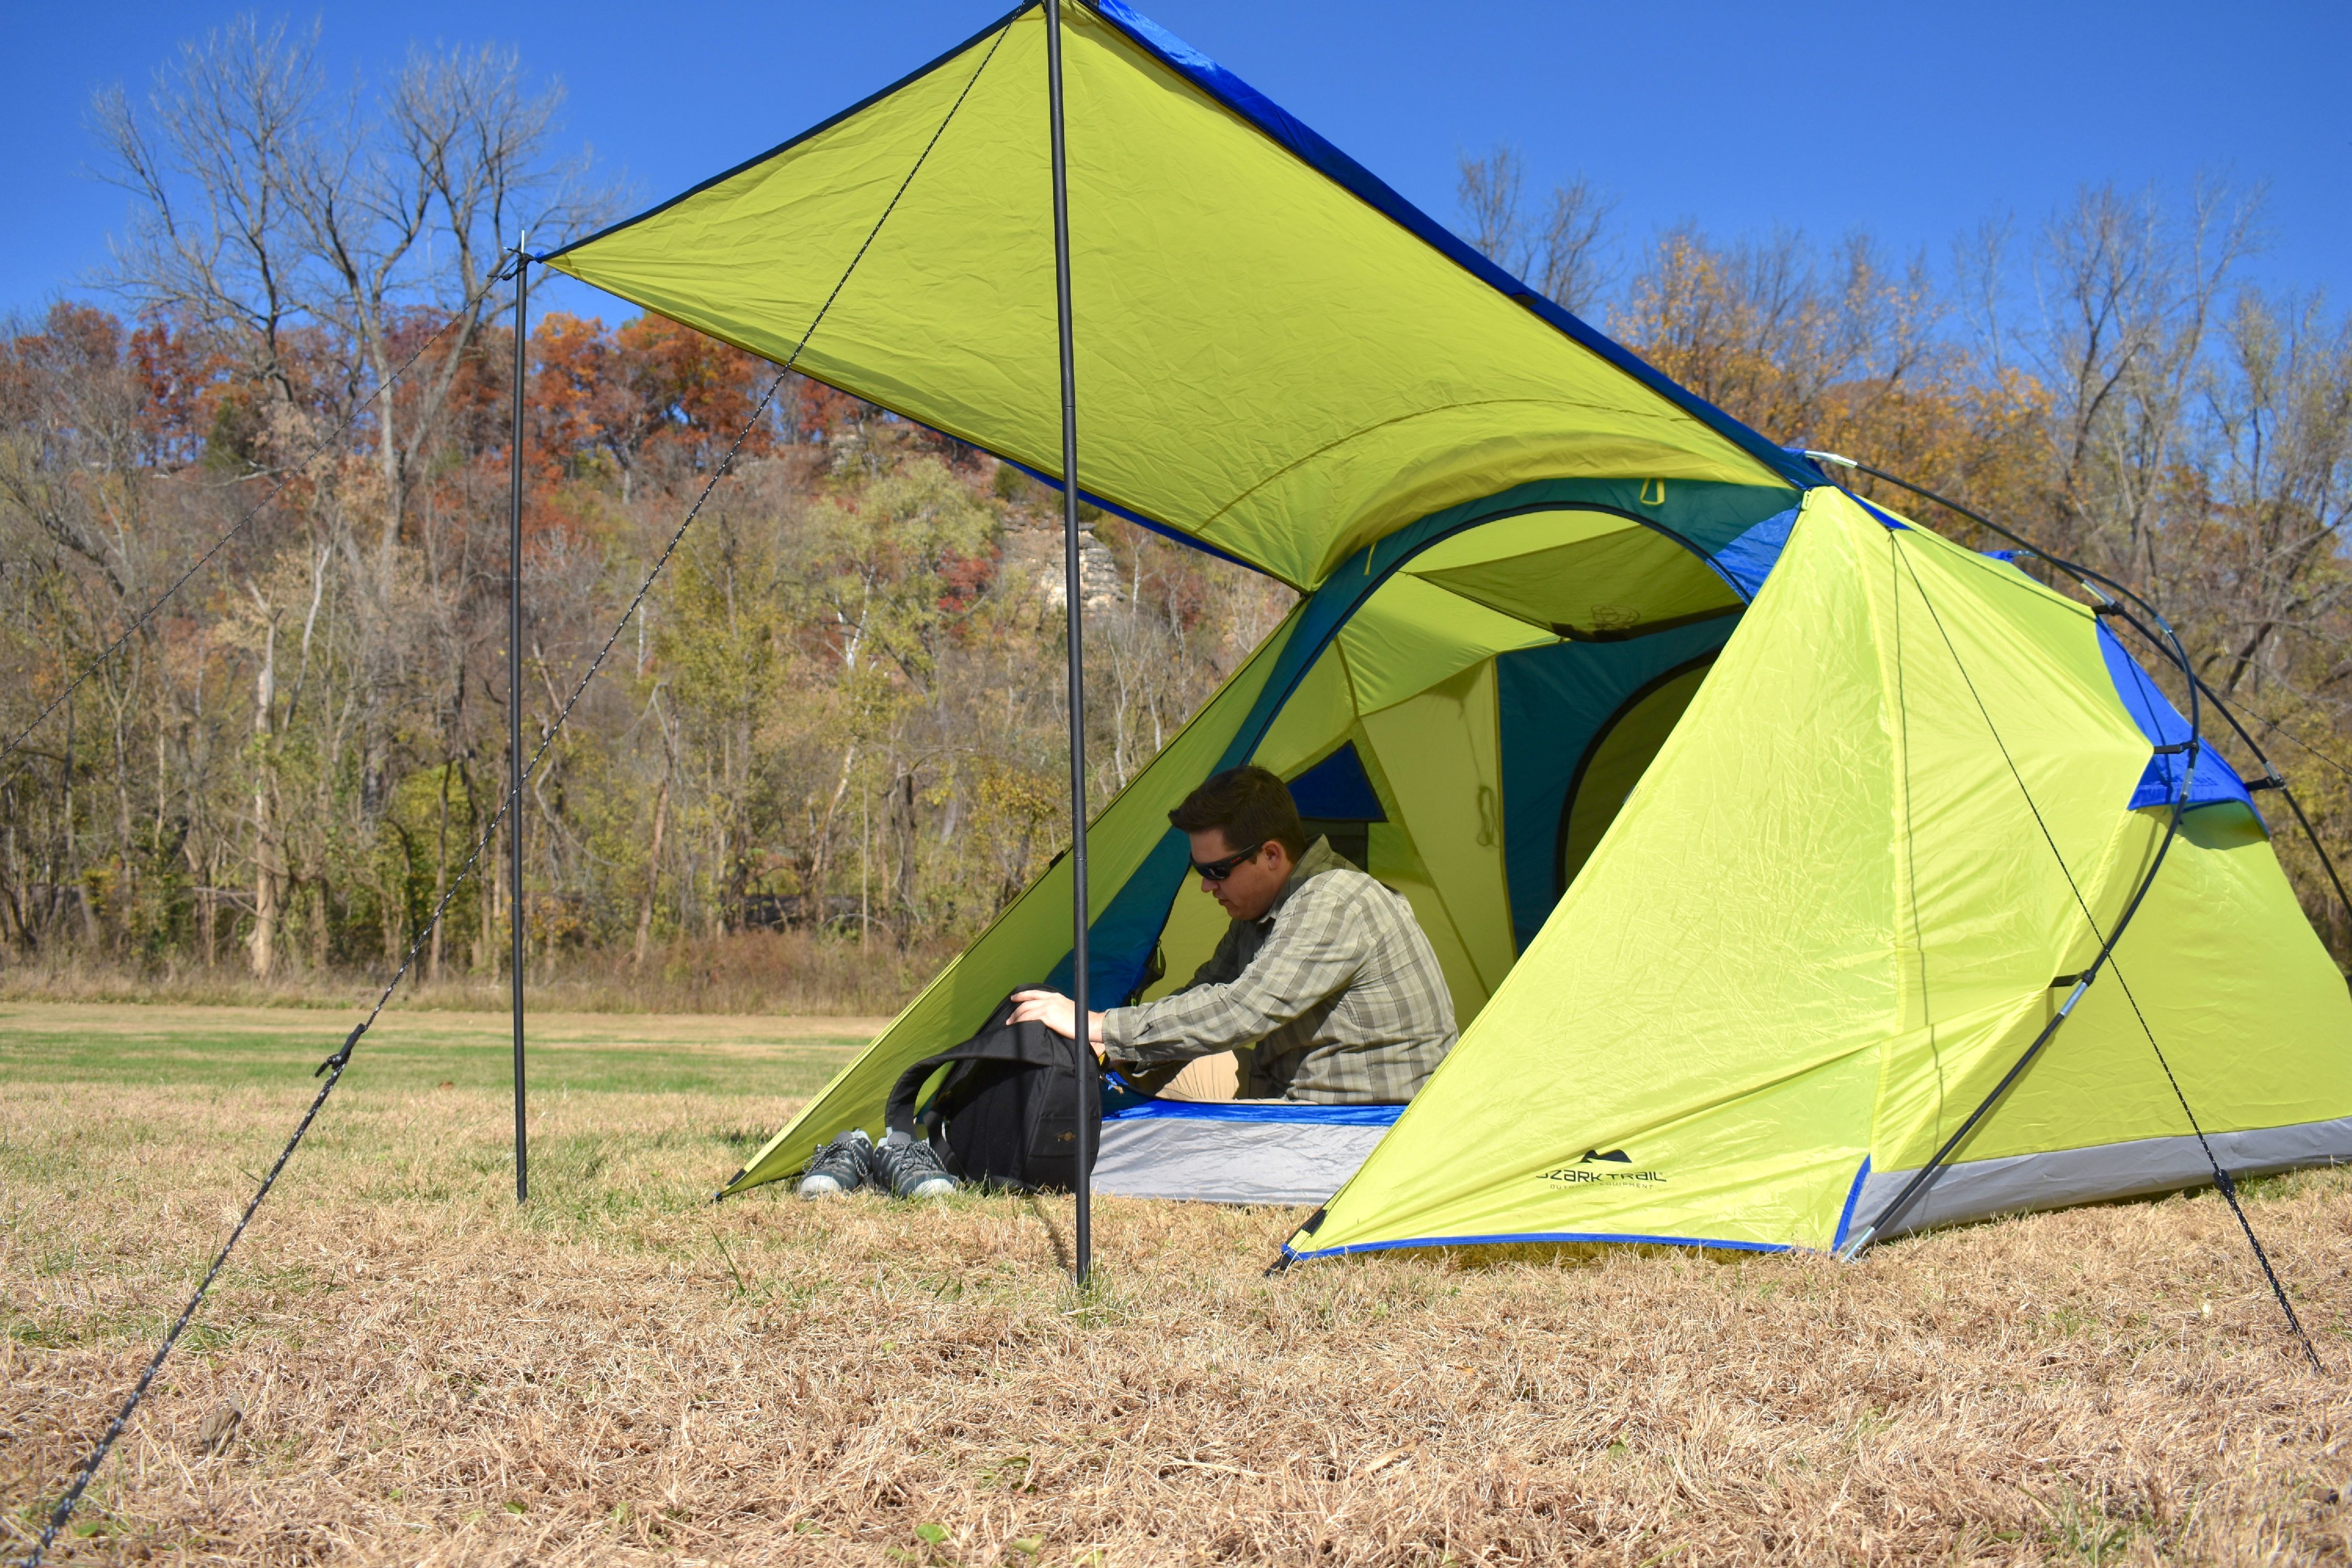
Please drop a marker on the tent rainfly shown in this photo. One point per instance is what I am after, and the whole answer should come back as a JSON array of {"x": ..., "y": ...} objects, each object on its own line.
[{"x": 1759, "y": 830}]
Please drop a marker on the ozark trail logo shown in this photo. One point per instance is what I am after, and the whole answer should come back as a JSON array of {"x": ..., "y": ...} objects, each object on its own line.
[{"x": 1583, "y": 1172}]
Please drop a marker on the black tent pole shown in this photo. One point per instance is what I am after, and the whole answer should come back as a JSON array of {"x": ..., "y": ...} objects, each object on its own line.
[
  {"x": 514, "y": 705},
  {"x": 1073, "y": 603}
]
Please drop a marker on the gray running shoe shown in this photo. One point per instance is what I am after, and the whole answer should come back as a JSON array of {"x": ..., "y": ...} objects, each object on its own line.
[
  {"x": 843, "y": 1166},
  {"x": 911, "y": 1168}
]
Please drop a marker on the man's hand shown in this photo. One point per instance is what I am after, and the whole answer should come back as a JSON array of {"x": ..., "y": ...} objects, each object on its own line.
[{"x": 1057, "y": 1012}]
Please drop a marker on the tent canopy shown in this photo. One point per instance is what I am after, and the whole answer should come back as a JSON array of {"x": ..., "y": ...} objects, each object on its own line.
[
  {"x": 1750, "y": 824},
  {"x": 1278, "y": 358}
]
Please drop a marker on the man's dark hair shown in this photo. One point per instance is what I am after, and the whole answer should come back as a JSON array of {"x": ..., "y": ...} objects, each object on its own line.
[{"x": 1250, "y": 805}]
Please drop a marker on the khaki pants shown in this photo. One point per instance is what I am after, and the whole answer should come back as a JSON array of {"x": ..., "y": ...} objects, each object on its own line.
[{"x": 1214, "y": 1077}]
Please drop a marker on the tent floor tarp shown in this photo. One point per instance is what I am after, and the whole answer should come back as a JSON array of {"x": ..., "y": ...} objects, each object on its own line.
[
  {"x": 1235, "y": 1151},
  {"x": 2056, "y": 1178}
]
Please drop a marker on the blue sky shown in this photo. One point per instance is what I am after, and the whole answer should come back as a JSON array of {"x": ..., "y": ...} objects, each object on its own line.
[{"x": 1915, "y": 122}]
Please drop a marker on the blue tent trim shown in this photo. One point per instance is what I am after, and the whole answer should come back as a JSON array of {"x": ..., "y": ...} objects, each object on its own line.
[
  {"x": 1747, "y": 560},
  {"x": 1337, "y": 166},
  {"x": 2214, "y": 780},
  {"x": 1853, "y": 1196},
  {"x": 1235, "y": 1111},
  {"x": 1570, "y": 1235},
  {"x": 1846, "y": 1223},
  {"x": 1337, "y": 789},
  {"x": 1886, "y": 520}
]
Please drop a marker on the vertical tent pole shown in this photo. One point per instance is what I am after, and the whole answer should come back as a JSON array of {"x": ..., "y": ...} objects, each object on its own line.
[
  {"x": 1075, "y": 621},
  {"x": 514, "y": 706}
]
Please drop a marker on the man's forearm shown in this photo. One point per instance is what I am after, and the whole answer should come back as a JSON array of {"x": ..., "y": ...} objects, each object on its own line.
[
  {"x": 1311, "y": 955},
  {"x": 1156, "y": 1053},
  {"x": 1200, "y": 1022}
]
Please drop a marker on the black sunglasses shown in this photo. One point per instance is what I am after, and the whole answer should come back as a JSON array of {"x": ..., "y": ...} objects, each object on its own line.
[{"x": 1218, "y": 870}]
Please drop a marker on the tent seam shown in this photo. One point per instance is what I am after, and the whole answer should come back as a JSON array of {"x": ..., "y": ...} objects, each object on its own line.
[{"x": 1911, "y": 835}]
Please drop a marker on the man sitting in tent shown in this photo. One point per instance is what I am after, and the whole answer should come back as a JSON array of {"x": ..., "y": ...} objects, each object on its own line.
[{"x": 1324, "y": 982}]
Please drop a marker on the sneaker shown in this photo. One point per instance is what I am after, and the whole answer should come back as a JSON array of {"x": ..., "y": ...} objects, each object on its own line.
[
  {"x": 843, "y": 1166},
  {"x": 911, "y": 1168}
]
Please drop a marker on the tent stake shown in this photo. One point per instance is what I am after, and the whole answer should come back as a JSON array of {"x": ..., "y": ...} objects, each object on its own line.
[
  {"x": 1074, "y": 618},
  {"x": 514, "y": 705}
]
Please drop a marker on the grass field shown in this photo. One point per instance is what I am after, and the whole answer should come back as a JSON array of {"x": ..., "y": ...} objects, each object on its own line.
[
  {"x": 621, "y": 1373},
  {"x": 744, "y": 1059}
]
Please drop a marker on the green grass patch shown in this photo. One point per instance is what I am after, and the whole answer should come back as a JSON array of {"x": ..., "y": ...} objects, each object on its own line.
[{"x": 247, "y": 1048}]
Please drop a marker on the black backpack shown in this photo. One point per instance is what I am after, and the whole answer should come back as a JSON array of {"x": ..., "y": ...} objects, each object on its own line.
[{"x": 1007, "y": 1114}]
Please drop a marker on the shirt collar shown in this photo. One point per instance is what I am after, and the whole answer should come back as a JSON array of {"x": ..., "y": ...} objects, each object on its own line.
[{"x": 1319, "y": 857}]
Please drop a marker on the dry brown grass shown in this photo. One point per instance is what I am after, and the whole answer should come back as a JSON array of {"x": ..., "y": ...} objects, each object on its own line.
[
  {"x": 760, "y": 971},
  {"x": 623, "y": 1373}
]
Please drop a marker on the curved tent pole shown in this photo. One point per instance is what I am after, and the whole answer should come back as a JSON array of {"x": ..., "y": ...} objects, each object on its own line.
[
  {"x": 2272, "y": 777},
  {"x": 2222, "y": 1179}
]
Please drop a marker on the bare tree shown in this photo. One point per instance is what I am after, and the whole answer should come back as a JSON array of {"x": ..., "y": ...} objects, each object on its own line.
[
  {"x": 1487, "y": 190},
  {"x": 1565, "y": 254},
  {"x": 2125, "y": 302},
  {"x": 1575, "y": 268},
  {"x": 1798, "y": 341},
  {"x": 2279, "y": 408},
  {"x": 215, "y": 232},
  {"x": 318, "y": 245},
  {"x": 407, "y": 221},
  {"x": 263, "y": 205}
]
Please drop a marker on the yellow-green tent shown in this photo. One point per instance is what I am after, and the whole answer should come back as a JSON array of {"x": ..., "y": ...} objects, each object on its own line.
[{"x": 1751, "y": 824}]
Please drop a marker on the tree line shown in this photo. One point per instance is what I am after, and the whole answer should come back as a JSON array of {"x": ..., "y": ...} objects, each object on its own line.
[
  {"x": 830, "y": 713},
  {"x": 840, "y": 709}
]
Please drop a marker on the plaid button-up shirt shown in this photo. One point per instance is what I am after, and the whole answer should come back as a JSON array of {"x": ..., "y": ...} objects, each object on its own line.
[{"x": 1334, "y": 995}]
